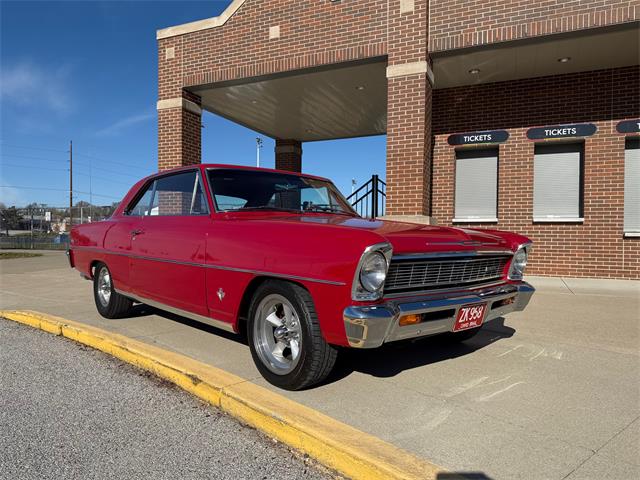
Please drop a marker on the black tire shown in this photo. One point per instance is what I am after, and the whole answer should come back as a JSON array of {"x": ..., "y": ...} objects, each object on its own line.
[
  {"x": 117, "y": 306},
  {"x": 316, "y": 358},
  {"x": 456, "y": 337}
]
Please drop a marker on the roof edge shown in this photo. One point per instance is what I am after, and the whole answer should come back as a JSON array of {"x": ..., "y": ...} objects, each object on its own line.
[{"x": 200, "y": 24}]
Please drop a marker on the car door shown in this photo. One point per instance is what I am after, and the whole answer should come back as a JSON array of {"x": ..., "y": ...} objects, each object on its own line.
[
  {"x": 119, "y": 235},
  {"x": 168, "y": 248}
]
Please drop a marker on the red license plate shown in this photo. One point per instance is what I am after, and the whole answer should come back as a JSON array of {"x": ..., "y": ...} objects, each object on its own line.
[{"x": 470, "y": 316}]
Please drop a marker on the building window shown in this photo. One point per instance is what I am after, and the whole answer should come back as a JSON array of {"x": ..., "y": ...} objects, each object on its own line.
[
  {"x": 632, "y": 187},
  {"x": 476, "y": 195},
  {"x": 557, "y": 183}
]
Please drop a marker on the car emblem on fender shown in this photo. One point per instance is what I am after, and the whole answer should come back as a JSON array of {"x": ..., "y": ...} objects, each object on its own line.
[{"x": 221, "y": 293}]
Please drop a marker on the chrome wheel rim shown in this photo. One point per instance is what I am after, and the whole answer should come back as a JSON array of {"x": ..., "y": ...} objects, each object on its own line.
[
  {"x": 277, "y": 334},
  {"x": 104, "y": 287}
]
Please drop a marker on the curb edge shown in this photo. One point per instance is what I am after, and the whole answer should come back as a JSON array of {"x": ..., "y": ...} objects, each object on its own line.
[{"x": 338, "y": 446}]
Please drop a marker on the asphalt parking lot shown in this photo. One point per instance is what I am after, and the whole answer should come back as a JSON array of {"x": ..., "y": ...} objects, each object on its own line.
[
  {"x": 552, "y": 392},
  {"x": 68, "y": 411}
]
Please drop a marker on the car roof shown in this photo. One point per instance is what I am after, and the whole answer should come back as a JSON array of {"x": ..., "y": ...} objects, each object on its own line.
[{"x": 235, "y": 167}]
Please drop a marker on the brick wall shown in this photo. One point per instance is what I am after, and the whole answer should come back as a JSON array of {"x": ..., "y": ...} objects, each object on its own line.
[
  {"x": 596, "y": 247},
  {"x": 464, "y": 23},
  {"x": 312, "y": 33},
  {"x": 288, "y": 155}
]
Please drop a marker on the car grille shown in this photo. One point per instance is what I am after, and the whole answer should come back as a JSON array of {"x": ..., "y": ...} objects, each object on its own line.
[{"x": 426, "y": 274}]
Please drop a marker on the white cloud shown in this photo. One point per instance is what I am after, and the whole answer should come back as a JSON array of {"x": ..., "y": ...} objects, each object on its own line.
[
  {"x": 10, "y": 196},
  {"x": 125, "y": 123},
  {"x": 29, "y": 85}
]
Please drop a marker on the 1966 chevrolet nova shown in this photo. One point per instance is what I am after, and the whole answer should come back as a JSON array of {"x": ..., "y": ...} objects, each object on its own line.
[{"x": 285, "y": 256}]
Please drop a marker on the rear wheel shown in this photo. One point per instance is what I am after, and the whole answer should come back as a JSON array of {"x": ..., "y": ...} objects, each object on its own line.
[
  {"x": 110, "y": 304},
  {"x": 285, "y": 338}
]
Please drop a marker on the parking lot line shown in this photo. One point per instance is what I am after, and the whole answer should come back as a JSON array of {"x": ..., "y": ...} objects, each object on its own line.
[{"x": 345, "y": 449}]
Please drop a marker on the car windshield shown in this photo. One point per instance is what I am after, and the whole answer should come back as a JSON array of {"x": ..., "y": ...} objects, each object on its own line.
[{"x": 244, "y": 190}]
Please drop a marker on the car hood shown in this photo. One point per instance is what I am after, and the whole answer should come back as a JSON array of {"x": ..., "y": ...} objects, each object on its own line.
[{"x": 411, "y": 237}]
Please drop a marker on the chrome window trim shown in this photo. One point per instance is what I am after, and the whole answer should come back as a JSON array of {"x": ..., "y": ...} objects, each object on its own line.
[
  {"x": 216, "y": 267},
  {"x": 154, "y": 180},
  {"x": 386, "y": 250},
  {"x": 337, "y": 190},
  {"x": 178, "y": 311}
]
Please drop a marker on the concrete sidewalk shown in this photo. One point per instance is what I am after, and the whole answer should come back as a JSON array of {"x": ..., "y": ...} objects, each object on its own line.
[{"x": 552, "y": 392}]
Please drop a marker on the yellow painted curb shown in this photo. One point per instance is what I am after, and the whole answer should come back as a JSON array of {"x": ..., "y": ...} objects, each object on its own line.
[{"x": 345, "y": 449}]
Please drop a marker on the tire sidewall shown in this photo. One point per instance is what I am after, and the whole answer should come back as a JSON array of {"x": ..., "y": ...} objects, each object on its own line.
[
  {"x": 294, "y": 377},
  {"x": 104, "y": 311}
]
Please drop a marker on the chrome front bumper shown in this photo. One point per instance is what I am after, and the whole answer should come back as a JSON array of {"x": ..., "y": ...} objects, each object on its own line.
[{"x": 371, "y": 326}]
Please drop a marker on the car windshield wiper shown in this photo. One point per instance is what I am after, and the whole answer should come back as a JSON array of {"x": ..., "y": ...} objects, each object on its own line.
[
  {"x": 328, "y": 209},
  {"x": 265, "y": 207}
]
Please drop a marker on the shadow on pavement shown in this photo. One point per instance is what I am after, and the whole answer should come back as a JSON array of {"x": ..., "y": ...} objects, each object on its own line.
[
  {"x": 393, "y": 358},
  {"x": 142, "y": 310},
  {"x": 387, "y": 361}
]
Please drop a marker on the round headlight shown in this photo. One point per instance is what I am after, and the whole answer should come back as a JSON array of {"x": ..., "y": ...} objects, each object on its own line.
[
  {"x": 373, "y": 272},
  {"x": 518, "y": 264}
]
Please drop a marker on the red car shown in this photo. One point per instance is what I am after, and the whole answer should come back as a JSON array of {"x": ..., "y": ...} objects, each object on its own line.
[{"x": 286, "y": 257}]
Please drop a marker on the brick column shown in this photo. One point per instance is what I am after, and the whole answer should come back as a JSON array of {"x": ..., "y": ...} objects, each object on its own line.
[
  {"x": 409, "y": 111},
  {"x": 179, "y": 131},
  {"x": 179, "y": 111},
  {"x": 289, "y": 155}
]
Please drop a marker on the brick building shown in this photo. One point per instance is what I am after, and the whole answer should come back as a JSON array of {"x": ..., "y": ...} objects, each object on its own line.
[{"x": 512, "y": 115}]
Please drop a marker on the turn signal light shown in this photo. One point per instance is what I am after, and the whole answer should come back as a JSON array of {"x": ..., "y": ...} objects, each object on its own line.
[{"x": 410, "y": 320}]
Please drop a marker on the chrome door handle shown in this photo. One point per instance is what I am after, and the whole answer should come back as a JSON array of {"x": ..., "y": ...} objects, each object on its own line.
[{"x": 136, "y": 232}]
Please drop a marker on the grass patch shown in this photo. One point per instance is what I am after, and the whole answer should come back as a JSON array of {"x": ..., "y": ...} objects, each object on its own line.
[{"x": 7, "y": 255}]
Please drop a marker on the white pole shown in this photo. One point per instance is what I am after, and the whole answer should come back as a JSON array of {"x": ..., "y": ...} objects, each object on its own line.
[
  {"x": 258, "y": 147},
  {"x": 90, "y": 189}
]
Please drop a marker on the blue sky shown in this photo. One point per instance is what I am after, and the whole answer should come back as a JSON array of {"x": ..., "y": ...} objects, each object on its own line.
[{"x": 87, "y": 71}]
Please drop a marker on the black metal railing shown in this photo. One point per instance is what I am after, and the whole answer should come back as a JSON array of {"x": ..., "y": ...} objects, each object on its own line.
[{"x": 369, "y": 200}]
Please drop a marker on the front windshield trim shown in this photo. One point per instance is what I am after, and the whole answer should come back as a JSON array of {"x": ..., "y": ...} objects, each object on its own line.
[{"x": 343, "y": 204}]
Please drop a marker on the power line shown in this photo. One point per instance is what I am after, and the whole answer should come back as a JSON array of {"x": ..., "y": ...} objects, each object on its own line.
[
  {"x": 20, "y": 187},
  {"x": 32, "y": 148},
  {"x": 114, "y": 162},
  {"x": 101, "y": 178},
  {"x": 66, "y": 161},
  {"x": 33, "y": 158},
  {"x": 110, "y": 161},
  {"x": 34, "y": 168}
]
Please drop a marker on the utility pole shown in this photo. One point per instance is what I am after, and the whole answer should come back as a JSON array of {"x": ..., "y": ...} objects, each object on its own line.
[
  {"x": 258, "y": 147},
  {"x": 70, "y": 184},
  {"x": 90, "y": 190}
]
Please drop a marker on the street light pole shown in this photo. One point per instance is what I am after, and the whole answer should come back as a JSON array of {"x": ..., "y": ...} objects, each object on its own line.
[
  {"x": 70, "y": 184},
  {"x": 258, "y": 147}
]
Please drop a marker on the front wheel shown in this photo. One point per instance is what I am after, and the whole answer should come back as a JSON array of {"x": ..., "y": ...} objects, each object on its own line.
[
  {"x": 110, "y": 304},
  {"x": 285, "y": 338}
]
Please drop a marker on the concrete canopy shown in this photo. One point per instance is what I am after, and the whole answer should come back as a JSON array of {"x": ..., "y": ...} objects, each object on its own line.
[
  {"x": 349, "y": 100},
  {"x": 584, "y": 51}
]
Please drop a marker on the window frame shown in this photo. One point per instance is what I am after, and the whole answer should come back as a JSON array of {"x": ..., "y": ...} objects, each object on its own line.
[
  {"x": 629, "y": 140},
  {"x": 469, "y": 151},
  {"x": 213, "y": 193},
  {"x": 152, "y": 183},
  {"x": 581, "y": 171}
]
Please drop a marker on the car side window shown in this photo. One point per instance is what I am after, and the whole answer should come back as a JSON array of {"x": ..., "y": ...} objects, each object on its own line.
[
  {"x": 180, "y": 194},
  {"x": 141, "y": 207}
]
